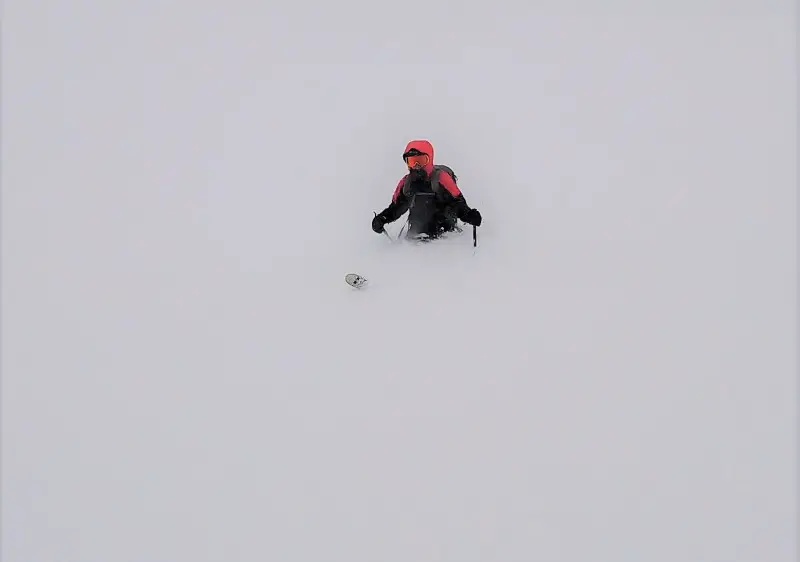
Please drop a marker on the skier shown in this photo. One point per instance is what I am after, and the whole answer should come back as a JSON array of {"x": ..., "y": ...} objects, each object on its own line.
[{"x": 430, "y": 195}]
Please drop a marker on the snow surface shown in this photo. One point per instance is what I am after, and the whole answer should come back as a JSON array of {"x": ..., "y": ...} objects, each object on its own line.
[{"x": 609, "y": 377}]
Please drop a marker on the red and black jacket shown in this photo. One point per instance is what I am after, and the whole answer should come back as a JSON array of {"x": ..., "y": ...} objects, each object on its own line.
[{"x": 437, "y": 180}]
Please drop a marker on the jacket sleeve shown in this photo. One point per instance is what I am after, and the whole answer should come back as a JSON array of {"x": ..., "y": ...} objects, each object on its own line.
[
  {"x": 399, "y": 204},
  {"x": 457, "y": 197}
]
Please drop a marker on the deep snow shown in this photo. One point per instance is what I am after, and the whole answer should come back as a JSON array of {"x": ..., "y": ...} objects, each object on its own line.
[{"x": 610, "y": 377}]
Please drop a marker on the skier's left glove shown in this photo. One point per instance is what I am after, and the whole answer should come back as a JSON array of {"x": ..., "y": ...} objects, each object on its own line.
[{"x": 473, "y": 217}]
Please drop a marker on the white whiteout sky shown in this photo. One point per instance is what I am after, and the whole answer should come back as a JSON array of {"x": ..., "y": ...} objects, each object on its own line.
[{"x": 610, "y": 376}]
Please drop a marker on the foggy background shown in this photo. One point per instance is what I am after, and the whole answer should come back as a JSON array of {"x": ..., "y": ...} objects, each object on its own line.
[{"x": 609, "y": 376}]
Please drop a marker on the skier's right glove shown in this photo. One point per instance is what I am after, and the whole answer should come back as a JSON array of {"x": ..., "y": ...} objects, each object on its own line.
[{"x": 378, "y": 223}]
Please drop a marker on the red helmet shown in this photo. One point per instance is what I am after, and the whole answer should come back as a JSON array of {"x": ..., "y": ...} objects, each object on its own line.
[{"x": 418, "y": 155}]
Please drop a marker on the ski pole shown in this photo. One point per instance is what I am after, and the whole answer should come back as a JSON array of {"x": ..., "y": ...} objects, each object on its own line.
[{"x": 474, "y": 236}]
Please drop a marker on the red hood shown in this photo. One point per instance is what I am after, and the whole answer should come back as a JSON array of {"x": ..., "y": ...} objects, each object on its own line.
[{"x": 422, "y": 146}]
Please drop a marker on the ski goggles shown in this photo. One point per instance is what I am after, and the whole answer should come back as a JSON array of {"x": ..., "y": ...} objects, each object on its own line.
[{"x": 417, "y": 160}]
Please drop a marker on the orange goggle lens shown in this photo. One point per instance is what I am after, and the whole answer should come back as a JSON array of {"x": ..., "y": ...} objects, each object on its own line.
[{"x": 417, "y": 161}]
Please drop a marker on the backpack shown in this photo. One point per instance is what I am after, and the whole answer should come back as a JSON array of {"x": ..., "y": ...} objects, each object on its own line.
[{"x": 438, "y": 169}]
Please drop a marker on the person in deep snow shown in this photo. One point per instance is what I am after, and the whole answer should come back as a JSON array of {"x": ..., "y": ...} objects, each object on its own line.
[{"x": 430, "y": 195}]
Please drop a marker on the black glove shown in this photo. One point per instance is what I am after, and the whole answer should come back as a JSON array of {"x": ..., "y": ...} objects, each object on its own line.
[
  {"x": 473, "y": 216},
  {"x": 378, "y": 222}
]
